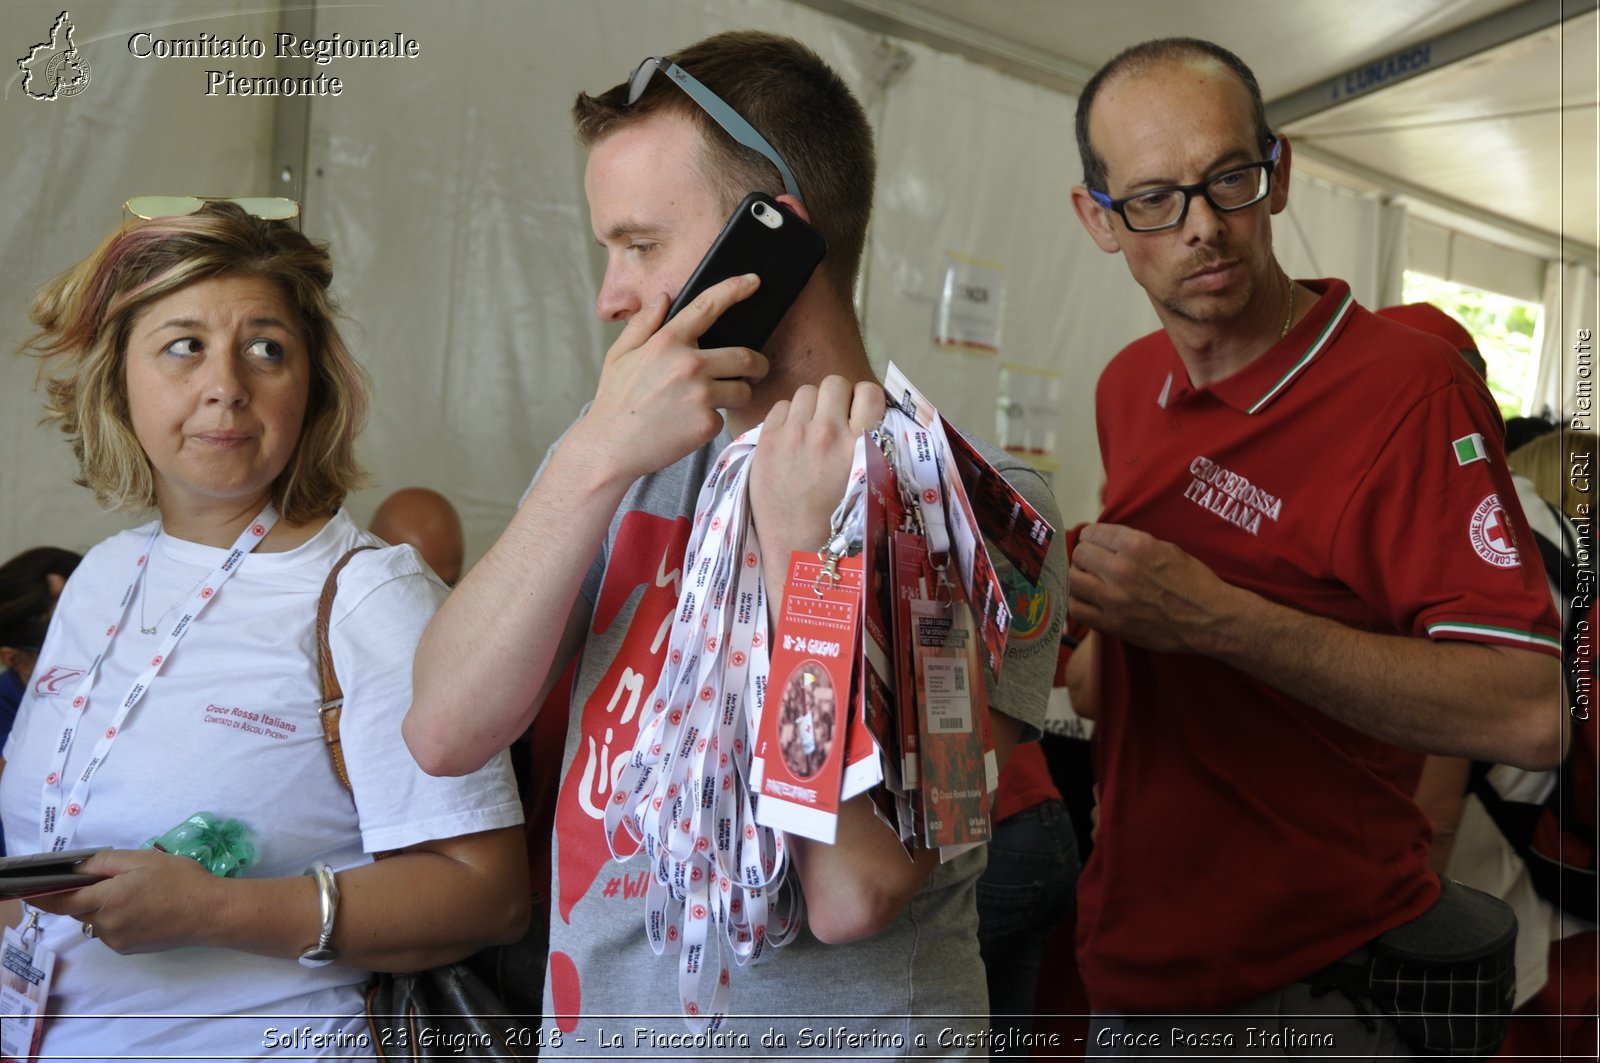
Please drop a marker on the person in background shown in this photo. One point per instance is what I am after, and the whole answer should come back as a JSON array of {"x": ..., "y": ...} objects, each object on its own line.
[
  {"x": 1029, "y": 885},
  {"x": 425, "y": 519},
  {"x": 1469, "y": 845},
  {"x": 30, "y": 583},
  {"x": 195, "y": 365}
]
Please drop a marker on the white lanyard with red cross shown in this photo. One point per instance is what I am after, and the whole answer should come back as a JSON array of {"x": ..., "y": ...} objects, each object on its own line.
[
  {"x": 684, "y": 794},
  {"x": 60, "y": 812}
]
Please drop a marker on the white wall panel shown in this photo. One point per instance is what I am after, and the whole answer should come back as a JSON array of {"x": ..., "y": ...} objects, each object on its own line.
[{"x": 140, "y": 126}]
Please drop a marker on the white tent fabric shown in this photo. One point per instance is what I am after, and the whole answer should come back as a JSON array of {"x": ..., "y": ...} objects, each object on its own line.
[
  {"x": 1566, "y": 374},
  {"x": 450, "y": 188}
]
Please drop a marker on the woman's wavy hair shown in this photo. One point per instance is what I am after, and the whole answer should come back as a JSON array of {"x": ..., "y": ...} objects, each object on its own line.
[{"x": 84, "y": 318}]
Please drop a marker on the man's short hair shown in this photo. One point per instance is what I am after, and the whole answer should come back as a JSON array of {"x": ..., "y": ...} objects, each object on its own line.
[
  {"x": 795, "y": 100},
  {"x": 1153, "y": 53}
]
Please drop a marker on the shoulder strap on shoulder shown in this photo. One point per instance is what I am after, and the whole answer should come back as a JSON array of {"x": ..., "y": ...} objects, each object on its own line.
[{"x": 332, "y": 692}]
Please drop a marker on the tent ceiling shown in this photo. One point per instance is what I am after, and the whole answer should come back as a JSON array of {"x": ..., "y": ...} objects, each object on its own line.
[{"x": 1501, "y": 144}]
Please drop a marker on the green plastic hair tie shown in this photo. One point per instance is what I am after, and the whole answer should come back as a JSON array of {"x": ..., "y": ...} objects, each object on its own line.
[{"x": 221, "y": 846}]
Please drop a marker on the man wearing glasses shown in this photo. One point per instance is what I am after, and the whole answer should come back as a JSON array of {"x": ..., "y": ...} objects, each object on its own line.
[
  {"x": 1307, "y": 571},
  {"x": 590, "y": 566}
]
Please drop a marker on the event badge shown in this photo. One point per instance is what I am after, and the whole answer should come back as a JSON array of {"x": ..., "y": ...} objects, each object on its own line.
[
  {"x": 806, "y": 719},
  {"x": 952, "y": 723},
  {"x": 24, "y": 988}
]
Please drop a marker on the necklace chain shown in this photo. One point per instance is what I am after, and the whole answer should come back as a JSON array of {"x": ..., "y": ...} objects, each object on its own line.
[
  {"x": 1288, "y": 319},
  {"x": 144, "y": 595}
]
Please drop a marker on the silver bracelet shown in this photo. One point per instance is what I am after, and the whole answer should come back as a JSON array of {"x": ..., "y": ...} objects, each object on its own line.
[{"x": 322, "y": 953}]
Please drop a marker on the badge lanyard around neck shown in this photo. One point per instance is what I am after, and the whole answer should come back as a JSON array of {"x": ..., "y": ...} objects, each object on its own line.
[
  {"x": 60, "y": 814},
  {"x": 684, "y": 795}
]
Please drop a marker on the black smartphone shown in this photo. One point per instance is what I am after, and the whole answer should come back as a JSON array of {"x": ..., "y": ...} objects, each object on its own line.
[{"x": 765, "y": 238}]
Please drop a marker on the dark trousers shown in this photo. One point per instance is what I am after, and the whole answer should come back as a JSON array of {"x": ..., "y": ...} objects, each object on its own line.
[{"x": 1029, "y": 886}]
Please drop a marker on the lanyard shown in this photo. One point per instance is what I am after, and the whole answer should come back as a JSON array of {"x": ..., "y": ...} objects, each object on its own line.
[
  {"x": 718, "y": 883},
  {"x": 920, "y": 461},
  {"x": 55, "y": 829}
]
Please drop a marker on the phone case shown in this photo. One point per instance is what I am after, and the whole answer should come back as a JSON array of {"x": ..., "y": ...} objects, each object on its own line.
[
  {"x": 39, "y": 873},
  {"x": 783, "y": 255}
]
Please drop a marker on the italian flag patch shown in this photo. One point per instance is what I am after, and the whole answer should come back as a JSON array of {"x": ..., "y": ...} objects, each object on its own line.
[{"x": 1470, "y": 449}]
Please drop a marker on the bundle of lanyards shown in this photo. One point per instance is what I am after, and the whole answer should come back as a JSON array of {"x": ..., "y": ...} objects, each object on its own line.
[{"x": 713, "y": 782}]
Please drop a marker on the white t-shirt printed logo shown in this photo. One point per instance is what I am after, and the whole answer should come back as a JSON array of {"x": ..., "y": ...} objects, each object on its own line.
[
  {"x": 1492, "y": 538},
  {"x": 54, "y": 681},
  {"x": 249, "y": 721},
  {"x": 1230, "y": 496}
]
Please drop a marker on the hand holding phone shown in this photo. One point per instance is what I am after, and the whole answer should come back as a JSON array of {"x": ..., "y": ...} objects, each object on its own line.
[{"x": 766, "y": 238}]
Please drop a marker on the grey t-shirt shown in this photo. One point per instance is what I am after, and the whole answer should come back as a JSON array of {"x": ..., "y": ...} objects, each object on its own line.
[{"x": 605, "y": 990}]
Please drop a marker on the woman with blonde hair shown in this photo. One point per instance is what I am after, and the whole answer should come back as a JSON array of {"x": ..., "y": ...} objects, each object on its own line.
[{"x": 195, "y": 366}]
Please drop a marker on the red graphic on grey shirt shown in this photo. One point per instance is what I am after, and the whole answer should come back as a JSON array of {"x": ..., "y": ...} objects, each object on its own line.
[{"x": 645, "y": 561}]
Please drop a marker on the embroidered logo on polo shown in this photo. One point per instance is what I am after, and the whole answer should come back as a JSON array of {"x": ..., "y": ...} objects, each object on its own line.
[
  {"x": 1491, "y": 534},
  {"x": 1231, "y": 496}
]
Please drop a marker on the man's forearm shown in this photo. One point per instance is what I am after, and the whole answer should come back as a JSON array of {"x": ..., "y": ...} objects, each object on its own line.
[
  {"x": 488, "y": 656},
  {"x": 1454, "y": 698}
]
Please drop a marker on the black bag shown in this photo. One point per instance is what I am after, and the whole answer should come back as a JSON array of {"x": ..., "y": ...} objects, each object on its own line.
[
  {"x": 478, "y": 1007},
  {"x": 1447, "y": 978}
]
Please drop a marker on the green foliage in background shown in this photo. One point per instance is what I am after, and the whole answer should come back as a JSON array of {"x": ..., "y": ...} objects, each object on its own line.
[{"x": 1503, "y": 327}]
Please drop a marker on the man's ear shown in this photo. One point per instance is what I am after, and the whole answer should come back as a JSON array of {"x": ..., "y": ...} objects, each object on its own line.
[
  {"x": 795, "y": 205},
  {"x": 1096, "y": 219},
  {"x": 1280, "y": 176},
  {"x": 10, "y": 657}
]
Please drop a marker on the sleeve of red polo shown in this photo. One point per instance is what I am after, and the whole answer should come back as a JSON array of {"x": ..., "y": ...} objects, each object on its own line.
[{"x": 1434, "y": 539}]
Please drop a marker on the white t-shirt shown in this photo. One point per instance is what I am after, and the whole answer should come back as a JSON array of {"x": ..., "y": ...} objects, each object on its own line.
[{"x": 230, "y": 727}]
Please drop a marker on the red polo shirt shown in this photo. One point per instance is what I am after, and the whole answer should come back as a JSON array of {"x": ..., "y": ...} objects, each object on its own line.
[{"x": 1352, "y": 471}]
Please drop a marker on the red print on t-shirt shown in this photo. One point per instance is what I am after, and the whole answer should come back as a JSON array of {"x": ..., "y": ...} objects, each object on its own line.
[{"x": 646, "y": 560}]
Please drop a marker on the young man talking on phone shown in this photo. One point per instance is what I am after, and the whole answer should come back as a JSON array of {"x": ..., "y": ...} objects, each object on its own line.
[{"x": 589, "y": 566}]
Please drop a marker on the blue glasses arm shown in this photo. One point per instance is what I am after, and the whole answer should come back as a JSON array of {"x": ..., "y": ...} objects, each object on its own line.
[{"x": 734, "y": 123}]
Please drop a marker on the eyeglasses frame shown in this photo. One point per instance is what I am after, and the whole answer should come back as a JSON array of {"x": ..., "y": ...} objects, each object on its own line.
[
  {"x": 731, "y": 121},
  {"x": 1202, "y": 188}
]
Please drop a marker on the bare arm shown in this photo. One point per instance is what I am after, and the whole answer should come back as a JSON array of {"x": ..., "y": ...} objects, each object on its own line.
[
  {"x": 1442, "y": 796},
  {"x": 501, "y": 639},
  {"x": 1455, "y": 698},
  {"x": 1083, "y": 677},
  {"x": 430, "y": 904}
]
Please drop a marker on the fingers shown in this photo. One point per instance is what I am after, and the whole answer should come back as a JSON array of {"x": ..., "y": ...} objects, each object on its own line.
[
  {"x": 735, "y": 363},
  {"x": 867, "y": 407},
  {"x": 1115, "y": 538},
  {"x": 640, "y": 327},
  {"x": 709, "y": 305}
]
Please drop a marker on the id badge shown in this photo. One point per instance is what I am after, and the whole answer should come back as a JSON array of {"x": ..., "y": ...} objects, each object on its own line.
[{"x": 26, "y": 967}]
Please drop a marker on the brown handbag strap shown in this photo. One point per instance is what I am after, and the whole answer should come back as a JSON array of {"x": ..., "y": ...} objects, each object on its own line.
[{"x": 332, "y": 692}]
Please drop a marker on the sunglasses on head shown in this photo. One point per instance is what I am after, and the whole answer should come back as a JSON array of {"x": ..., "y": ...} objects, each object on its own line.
[
  {"x": 730, "y": 120},
  {"x": 267, "y": 208}
]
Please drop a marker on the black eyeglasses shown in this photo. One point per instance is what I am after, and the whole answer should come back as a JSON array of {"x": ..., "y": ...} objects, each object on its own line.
[
  {"x": 715, "y": 106},
  {"x": 1165, "y": 208}
]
